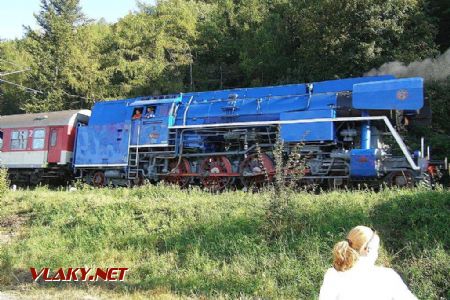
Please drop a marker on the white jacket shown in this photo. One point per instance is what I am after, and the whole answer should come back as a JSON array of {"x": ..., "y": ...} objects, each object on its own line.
[{"x": 364, "y": 281}]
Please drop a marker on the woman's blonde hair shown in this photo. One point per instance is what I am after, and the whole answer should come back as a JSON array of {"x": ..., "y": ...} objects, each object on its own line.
[{"x": 347, "y": 252}]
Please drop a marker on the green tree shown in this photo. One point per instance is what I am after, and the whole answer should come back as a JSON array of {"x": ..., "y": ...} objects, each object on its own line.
[
  {"x": 261, "y": 42},
  {"x": 149, "y": 52},
  {"x": 86, "y": 75},
  {"x": 54, "y": 48},
  {"x": 267, "y": 39},
  {"x": 15, "y": 61},
  {"x": 216, "y": 51},
  {"x": 440, "y": 11},
  {"x": 342, "y": 38},
  {"x": 176, "y": 45}
]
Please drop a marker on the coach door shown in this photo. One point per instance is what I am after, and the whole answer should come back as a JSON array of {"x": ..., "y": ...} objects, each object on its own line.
[{"x": 55, "y": 144}]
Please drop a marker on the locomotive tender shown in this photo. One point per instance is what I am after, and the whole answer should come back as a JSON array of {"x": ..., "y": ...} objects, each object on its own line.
[{"x": 222, "y": 138}]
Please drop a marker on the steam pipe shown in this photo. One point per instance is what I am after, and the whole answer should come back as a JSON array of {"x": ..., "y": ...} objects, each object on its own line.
[
  {"x": 422, "y": 147},
  {"x": 365, "y": 132}
]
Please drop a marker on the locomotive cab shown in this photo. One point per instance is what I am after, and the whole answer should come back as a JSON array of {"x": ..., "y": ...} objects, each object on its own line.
[{"x": 151, "y": 119}]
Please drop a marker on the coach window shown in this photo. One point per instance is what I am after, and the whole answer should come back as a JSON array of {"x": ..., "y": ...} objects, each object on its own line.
[
  {"x": 19, "y": 139},
  {"x": 38, "y": 139},
  {"x": 1, "y": 140}
]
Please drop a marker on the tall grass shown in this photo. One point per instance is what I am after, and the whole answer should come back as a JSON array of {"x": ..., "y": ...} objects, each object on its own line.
[
  {"x": 4, "y": 182},
  {"x": 192, "y": 243}
]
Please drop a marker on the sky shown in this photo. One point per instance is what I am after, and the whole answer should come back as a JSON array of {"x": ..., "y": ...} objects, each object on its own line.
[{"x": 16, "y": 13}]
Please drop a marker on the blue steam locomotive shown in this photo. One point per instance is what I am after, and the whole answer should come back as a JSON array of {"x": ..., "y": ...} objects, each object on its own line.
[{"x": 345, "y": 132}]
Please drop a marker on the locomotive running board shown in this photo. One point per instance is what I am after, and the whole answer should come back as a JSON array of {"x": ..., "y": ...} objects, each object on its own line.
[
  {"x": 101, "y": 166},
  {"x": 388, "y": 123}
]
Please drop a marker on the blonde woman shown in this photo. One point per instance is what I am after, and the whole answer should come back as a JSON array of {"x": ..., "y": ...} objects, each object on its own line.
[{"x": 354, "y": 274}]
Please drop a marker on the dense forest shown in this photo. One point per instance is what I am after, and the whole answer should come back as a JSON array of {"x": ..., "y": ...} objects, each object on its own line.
[{"x": 71, "y": 61}]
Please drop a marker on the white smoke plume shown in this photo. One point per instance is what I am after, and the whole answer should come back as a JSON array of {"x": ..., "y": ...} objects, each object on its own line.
[{"x": 430, "y": 68}]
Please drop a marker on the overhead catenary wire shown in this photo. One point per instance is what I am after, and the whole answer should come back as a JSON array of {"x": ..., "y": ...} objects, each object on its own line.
[
  {"x": 14, "y": 72},
  {"x": 11, "y": 63},
  {"x": 35, "y": 91},
  {"x": 22, "y": 86}
]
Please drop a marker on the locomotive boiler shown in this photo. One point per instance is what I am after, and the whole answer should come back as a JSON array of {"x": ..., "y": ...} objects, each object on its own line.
[{"x": 343, "y": 130}]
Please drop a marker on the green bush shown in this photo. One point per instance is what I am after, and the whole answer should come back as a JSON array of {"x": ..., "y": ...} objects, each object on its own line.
[{"x": 4, "y": 182}]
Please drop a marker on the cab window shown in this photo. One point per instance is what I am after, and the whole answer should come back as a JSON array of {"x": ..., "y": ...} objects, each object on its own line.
[
  {"x": 19, "y": 139},
  {"x": 38, "y": 139},
  {"x": 137, "y": 113},
  {"x": 150, "y": 111}
]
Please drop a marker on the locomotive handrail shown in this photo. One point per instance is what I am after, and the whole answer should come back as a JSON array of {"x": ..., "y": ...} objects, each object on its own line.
[
  {"x": 265, "y": 123},
  {"x": 186, "y": 110},
  {"x": 391, "y": 128}
]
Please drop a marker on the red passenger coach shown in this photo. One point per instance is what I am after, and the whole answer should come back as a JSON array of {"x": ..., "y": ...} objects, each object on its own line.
[{"x": 39, "y": 147}]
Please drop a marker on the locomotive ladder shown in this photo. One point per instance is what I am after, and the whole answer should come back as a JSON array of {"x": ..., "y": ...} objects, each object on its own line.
[{"x": 133, "y": 158}]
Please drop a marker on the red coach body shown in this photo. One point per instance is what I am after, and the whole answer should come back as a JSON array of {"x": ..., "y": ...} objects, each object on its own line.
[{"x": 39, "y": 145}]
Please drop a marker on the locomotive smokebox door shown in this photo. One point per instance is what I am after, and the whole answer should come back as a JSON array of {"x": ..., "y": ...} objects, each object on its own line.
[{"x": 151, "y": 119}]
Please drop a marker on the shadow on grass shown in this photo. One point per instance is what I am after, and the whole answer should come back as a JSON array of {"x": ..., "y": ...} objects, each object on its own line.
[
  {"x": 420, "y": 220},
  {"x": 234, "y": 256},
  {"x": 415, "y": 230}
]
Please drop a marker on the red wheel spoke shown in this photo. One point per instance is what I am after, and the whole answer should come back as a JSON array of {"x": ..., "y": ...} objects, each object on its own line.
[
  {"x": 98, "y": 179},
  {"x": 256, "y": 170},
  {"x": 177, "y": 169},
  {"x": 216, "y": 166}
]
